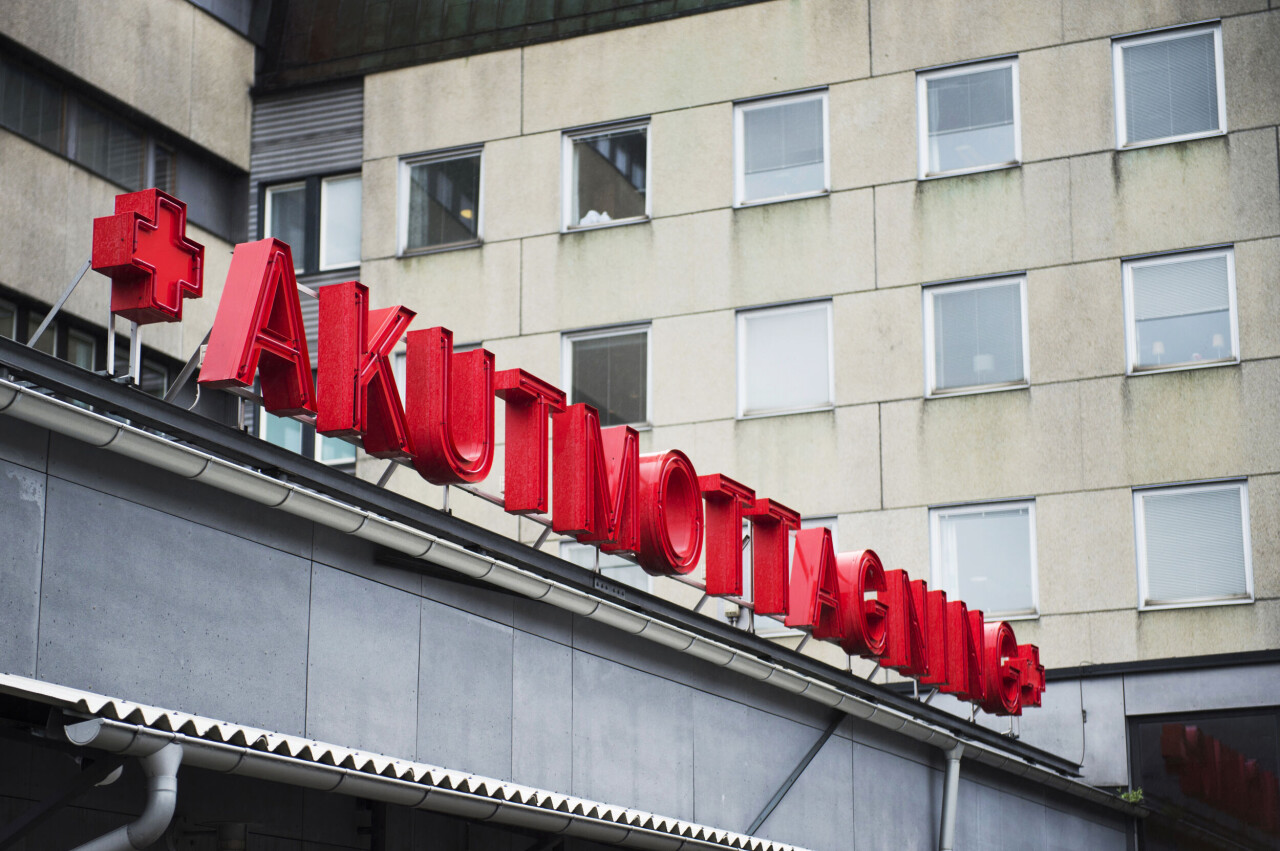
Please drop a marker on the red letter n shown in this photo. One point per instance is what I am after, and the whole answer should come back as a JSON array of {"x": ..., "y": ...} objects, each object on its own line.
[
  {"x": 450, "y": 408},
  {"x": 358, "y": 394},
  {"x": 595, "y": 479},
  {"x": 259, "y": 317},
  {"x": 907, "y": 650}
]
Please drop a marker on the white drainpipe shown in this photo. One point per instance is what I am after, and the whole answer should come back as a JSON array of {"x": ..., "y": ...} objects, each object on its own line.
[
  {"x": 161, "y": 768},
  {"x": 950, "y": 791}
]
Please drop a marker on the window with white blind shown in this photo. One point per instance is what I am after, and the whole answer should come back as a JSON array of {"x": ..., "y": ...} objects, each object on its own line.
[
  {"x": 1193, "y": 545},
  {"x": 975, "y": 336},
  {"x": 968, "y": 118},
  {"x": 319, "y": 218},
  {"x": 1181, "y": 310},
  {"x": 986, "y": 555},
  {"x": 608, "y": 368},
  {"x": 340, "y": 222},
  {"x": 611, "y": 566},
  {"x": 785, "y": 359},
  {"x": 780, "y": 148},
  {"x": 1169, "y": 86}
]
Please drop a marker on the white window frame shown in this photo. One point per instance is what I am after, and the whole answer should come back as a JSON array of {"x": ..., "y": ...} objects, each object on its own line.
[
  {"x": 930, "y": 361},
  {"x": 298, "y": 268},
  {"x": 1118, "y": 44},
  {"x": 1140, "y": 545},
  {"x": 402, "y": 193},
  {"x": 568, "y": 186},
  {"x": 739, "y": 137},
  {"x": 568, "y": 338},
  {"x": 324, "y": 213},
  {"x": 1130, "y": 328},
  {"x": 935, "y": 553},
  {"x": 789, "y": 307},
  {"x": 922, "y": 115}
]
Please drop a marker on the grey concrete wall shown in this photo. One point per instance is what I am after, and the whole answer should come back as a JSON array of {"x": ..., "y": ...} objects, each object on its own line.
[{"x": 134, "y": 583}]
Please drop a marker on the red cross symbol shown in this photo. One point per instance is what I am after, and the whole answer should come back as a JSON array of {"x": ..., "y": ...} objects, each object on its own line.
[{"x": 145, "y": 252}]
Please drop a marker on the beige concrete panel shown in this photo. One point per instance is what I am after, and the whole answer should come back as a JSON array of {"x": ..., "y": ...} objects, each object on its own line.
[
  {"x": 691, "y": 158},
  {"x": 1063, "y": 640},
  {"x": 473, "y": 292},
  {"x": 1261, "y": 392},
  {"x": 521, "y": 186},
  {"x": 1208, "y": 629},
  {"x": 758, "y": 49},
  {"x": 1173, "y": 426},
  {"x": 442, "y": 104},
  {"x": 1076, "y": 321},
  {"x": 535, "y": 353},
  {"x": 1112, "y": 636},
  {"x": 140, "y": 52},
  {"x": 705, "y": 261},
  {"x": 818, "y": 464},
  {"x": 1251, "y": 69},
  {"x": 693, "y": 368},
  {"x": 873, "y": 131},
  {"x": 1082, "y": 19},
  {"x": 1067, "y": 95},
  {"x": 198, "y": 313},
  {"x": 1258, "y": 297},
  {"x": 800, "y": 249},
  {"x": 708, "y": 444},
  {"x": 35, "y": 220},
  {"x": 1264, "y": 534},
  {"x": 221, "y": 75},
  {"x": 978, "y": 224},
  {"x": 879, "y": 345},
  {"x": 984, "y": 446},
  {"x": 1183, "y": 194},
  {"x": 907, "y": 36},
  {"x": 380, "y": 209},
  {"x": 900, "y": 537},
  {"x": 1085, "y": 555}
]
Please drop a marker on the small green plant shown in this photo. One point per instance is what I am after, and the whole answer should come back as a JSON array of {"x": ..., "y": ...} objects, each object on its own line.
[{"x": 1133, "y": 796}]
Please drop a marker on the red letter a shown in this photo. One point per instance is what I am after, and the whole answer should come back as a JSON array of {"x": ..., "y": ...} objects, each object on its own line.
[
  {"x": 357, "y": 386},
  {"x": 813, "y": 601},
  {"x": 450, "y": 408},
  {"x": 259, "y": 315}
]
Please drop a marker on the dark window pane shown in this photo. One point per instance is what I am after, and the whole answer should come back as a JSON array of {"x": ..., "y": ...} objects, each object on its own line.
[
  {"x": 30, "y": 106},
  {"x": 287, "y": 219},
  {"x": 109, "y": 147},
  {"x": 166, "y": 170},
  {"x": 444, "y": 202},
  {"x": 610, "y": 374},
  {"x": 8, "y": 320},
  {"x": 609, "y": 171}
]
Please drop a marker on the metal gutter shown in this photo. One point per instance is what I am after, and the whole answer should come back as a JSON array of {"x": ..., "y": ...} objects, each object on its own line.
[{"x": 227, "y": 447}]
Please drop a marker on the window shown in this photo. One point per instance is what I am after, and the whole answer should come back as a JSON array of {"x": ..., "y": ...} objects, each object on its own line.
[
  {"x": 1180, "y": 310},
  {"x": 1193, "y": 545},
  {"x": 968, "y": 118},
  {"x": 302, "y": 439},
  {"x": 606, "y": 175},
  {"x": 8, "y": 320},
  {"x": 985, "y": 555},
  {"x": 1169, "y": 86},
  {"x": 975, "y": 336},
  {"x": 86, "y": 128},
  {"x": 612, "y": 566},
  {"x": 785, "y": 359},
  {"x": 609, "y": 370},
  {"x": 780, "y": 148},
  {"x": 319, "y": 218},
  {"x": 440, "y": 201}
]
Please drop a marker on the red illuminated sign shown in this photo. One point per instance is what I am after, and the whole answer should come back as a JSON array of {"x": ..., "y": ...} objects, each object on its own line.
[
  {"x": 654, "y": 508},
  {"x": 1221, "y": 777}
]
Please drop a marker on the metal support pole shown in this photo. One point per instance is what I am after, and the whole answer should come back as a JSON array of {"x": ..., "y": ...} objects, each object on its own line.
[
  {"x": 950, "y": 791},
  {"x": 185, "y": 375},
  {"x": 111, "y": 342},
  {"x": 795, "y": 774},
  {"x": 387, "y": 473},
  {"x": 444, "y": 506},
  {"x": 542, "y": 539},
  {"x": 66, "y": 294},
  {"x": 135, "y": 353}
]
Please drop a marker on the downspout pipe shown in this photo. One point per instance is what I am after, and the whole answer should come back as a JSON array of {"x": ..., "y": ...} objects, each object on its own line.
[
  {"x": 161, "y": 769},
  {"x": 950, "y": 791}
]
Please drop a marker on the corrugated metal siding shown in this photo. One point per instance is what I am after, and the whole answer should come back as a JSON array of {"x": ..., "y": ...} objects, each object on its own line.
[{"x": 304, "y": 133}]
